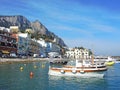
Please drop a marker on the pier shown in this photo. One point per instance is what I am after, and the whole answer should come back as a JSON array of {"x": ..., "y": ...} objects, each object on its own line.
[
  {"x": 58, "y": 60},
  {"x": 51, "y": 60}
]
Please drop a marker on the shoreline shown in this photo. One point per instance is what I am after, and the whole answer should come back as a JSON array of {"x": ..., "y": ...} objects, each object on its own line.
[{"x": 20, "y": 60}]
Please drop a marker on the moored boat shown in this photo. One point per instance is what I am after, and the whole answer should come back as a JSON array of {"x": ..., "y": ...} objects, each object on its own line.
[
  {"x": 110, "y": 63},
  {"x": 81, "y": 68}
]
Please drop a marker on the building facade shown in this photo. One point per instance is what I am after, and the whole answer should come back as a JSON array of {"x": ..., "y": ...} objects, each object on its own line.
[
  {"x": 78, "y": 54},
  {"x": 8, "y": 43},
  {"x": 34, "y": 47},
  {"x": 24, "y": 43}
]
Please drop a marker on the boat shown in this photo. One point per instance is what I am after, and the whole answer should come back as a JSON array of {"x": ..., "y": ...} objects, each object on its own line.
[
  {"x": 80, "y": 68},
  {"x": 58, "y": 61},
  {"x": 110, "y": 63}
]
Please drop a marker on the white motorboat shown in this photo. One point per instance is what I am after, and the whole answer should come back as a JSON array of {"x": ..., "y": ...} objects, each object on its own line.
[{"x": 81, "y": 68}]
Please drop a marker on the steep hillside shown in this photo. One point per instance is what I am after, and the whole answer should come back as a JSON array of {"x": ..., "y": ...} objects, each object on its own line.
[{"x": 23, "y": 23}]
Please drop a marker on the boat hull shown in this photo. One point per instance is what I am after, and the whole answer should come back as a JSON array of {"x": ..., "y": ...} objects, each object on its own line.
[
  {"x": 77, "y": 72},
  {"x": 110, "y": 63}
]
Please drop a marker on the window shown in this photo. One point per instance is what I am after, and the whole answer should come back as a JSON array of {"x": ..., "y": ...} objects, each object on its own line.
[
  {"x": 2, "y": 44},
  {"x": 0, "y": 37}
]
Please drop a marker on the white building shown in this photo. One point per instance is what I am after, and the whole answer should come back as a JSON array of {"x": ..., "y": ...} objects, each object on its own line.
[
  {"x": 54, "y": 55},
  {"x": 5, "y": 29},
  {"x": 26, "y": 45},
  {"x": 2, "y": 28},
  {"x": 42, "y": 42},
  {"x": 42, "y": 47},
  {"x": 78, "y": 54},
  {"x": 47, "y": 47}
]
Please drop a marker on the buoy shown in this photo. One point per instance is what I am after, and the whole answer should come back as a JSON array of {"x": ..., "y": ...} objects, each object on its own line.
[
  {"x": 31, "y": 73},
  {"x": 31, "y": 77},
  {"x": 35, "y": 66},
  {"x": 43, "y": 65},
  {"x": 21, "y": 68}
]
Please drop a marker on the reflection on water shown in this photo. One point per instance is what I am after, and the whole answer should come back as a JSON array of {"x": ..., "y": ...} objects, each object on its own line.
[{"x": 75, "y": 83}]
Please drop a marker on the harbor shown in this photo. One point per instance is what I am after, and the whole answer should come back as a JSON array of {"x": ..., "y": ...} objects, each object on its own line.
[
  {"x": 60, "y": 45},
  {"x": 13, "y": 77}
]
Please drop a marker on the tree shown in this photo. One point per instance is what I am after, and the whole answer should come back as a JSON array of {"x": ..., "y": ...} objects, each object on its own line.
[
  {"x": 90, "y": 52},
  {"x": 81, "y": 48}
]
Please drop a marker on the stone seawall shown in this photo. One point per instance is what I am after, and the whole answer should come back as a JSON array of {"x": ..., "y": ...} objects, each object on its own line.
[{"x": 20, "y": 60}]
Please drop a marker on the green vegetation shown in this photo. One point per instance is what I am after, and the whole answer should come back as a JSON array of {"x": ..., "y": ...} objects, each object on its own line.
[
  {"x": 90, "y": 52},
  {"x": 80, "y": 48},
  {"x": 22, "y": 31},
  {"x": 37, "y": 36}
]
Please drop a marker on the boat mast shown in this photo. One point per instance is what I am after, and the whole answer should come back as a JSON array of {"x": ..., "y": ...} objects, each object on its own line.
[
  {"x": 82, "y": 61},
  {"x": 92, "y": 59}
]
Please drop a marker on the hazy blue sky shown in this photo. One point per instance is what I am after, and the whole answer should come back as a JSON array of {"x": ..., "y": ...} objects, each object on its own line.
[{"x": 93, "y": 24}]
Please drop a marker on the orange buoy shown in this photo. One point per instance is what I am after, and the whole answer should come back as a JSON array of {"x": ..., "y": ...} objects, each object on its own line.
[{"x": 31, "y": 73}]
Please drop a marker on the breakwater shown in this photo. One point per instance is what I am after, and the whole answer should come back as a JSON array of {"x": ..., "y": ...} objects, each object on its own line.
[
  {"x": 21, "y": 60},
  {"x": 27, "y": 60}
]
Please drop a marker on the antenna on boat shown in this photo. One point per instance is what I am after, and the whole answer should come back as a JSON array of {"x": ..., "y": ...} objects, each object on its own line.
[
  {"x": 92, "y": 58},
  {"x": 92, "y": 54}
]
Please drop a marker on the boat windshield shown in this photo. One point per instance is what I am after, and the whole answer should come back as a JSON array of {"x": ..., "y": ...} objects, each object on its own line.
[{"x": 71, "y": 63}]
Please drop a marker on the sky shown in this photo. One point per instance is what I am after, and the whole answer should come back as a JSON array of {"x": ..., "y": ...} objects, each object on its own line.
[{"x": 93, "y": 24}]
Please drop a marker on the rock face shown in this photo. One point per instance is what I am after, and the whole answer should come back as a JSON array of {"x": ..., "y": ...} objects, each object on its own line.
[
  {"x": 39, "y": 27},
  {"x": 23, "y": 23},
  {"x": 20, "y": 21}
]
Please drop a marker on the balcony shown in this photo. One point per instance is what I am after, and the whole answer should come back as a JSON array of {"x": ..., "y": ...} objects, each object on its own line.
[
  {"x": 8, "y": 45},
  {"x": 8, "y": 40},
  {"x": 5, "y": 35}
]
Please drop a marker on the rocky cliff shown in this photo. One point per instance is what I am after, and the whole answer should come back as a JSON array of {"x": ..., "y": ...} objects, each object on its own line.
[
  {"x": 23, "y": 23},
  {"x": 20, "y": 21}
]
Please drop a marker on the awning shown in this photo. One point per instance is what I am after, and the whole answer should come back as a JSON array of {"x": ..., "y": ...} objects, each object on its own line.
[{"x": 5, "y": 52}]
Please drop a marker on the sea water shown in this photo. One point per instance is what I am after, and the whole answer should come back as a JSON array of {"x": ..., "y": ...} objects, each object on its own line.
[{"x": 14, "y": 78}]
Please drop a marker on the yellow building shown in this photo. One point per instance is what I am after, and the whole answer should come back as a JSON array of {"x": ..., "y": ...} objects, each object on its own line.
[
  {"x": 29, "y": 31},
  {"x": 14, "y": 29}
]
